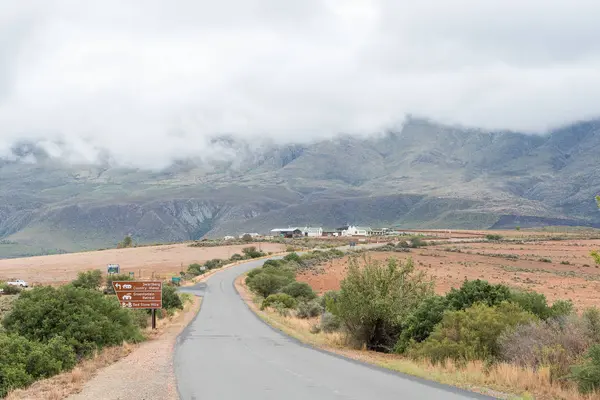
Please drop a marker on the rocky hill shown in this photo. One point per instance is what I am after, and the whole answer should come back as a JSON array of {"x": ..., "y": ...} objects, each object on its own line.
[{"x": 425, "y": 175}]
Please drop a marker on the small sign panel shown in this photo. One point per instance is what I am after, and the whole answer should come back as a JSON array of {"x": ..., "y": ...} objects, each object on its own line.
[
  {"x": 113, "y": 268},
  {"x": 139, "y": 294}
]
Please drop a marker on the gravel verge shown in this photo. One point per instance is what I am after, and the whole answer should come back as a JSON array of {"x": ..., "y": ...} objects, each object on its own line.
[{"x": 147, "y": 373}]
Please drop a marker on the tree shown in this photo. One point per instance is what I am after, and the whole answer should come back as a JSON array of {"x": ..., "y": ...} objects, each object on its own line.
[
  {"x": 266, "y": 284},
  {"x": 247, "y": 238},
  {"x": 170, "y": 298},
  {"x": 114, "y": 277},
  {"x": 475, "y": 291},
  {"x": 374, "y": 300},
  {"x": 419, "y": 325},
  {"x": 127, "y": 242},
  {"x": 89, "y": 280}
]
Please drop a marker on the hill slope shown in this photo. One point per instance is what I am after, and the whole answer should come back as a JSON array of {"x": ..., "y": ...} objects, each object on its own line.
[{"x": 426, "y": 175}]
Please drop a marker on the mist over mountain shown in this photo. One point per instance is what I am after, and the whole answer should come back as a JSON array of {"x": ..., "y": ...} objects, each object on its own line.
[{"x": 424, "y": 175}]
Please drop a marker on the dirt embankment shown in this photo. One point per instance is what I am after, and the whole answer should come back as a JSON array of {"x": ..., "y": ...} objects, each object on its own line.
[
  {"x": 143, "y": 261},
  {"x": 559, "y": 269}
]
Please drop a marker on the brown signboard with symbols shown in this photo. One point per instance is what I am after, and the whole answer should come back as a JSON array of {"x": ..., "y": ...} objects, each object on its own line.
[{"x": 139, "y": 294}]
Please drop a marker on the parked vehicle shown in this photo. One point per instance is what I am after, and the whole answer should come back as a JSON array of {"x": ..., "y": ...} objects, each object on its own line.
[{"x": 18, "y": 282}]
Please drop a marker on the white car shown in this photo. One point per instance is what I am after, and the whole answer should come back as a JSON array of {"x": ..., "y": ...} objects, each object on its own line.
[
  {"x": 18, "y": 282},
  {"x": 127, "y": 286},
  {"x": 127, "y": 296}
]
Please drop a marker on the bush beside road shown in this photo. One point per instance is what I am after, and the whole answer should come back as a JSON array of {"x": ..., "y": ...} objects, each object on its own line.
[{"x": 468, "y": 338}]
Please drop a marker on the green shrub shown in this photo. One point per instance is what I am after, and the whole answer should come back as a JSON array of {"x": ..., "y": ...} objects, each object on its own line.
[
  {"x": 285, "y": 299},
  {"x": 329, "y": 323},
  {"x": 10, "y": 289},
  {"x": 419, "y": 325},
  {"x": 214, "y": 263},
  {"x": 195, "y": 269},
  {"x": 236, "y": 257},
  {"x": 85, "y": 318},
  {"x": 266, "y": 284},
  {"x": 89, "y": 280},
  {"x": 329, "y": 301},
  {"x": 309, "y": 309},
  {"x": 470, "y": 334},
  {"x": 110, "y": 278},
  {"x": 299, "y": 290},
  {"x": 374, "y": 300},
  {"x": 251, "y": 252},
  {"x": 493, "y": 237},
  {"x": 533, "y": 302},
  {"x": 22, "y": 361},
  {"x": 561, "y": 308},
  {"x": 416, "y": 242},
  {"x": 591, "y": 320},
  {"x": 274, "y": 263},
  {"x": 292, "y": 257},
  {"x": 477, "y": 291},
  {"x": 140, "y": 318},
  {"x": 587, "y": 374},
  {"x": 170, "y": 298}
]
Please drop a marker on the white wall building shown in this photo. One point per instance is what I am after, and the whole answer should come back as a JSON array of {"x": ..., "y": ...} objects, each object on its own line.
[
  {"x": 312, "y": 232},
  {"x": 356, "y": 231}
]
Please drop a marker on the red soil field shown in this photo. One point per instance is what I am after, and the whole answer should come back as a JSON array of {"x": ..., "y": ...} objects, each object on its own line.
[{"x": 559, "y": 269}]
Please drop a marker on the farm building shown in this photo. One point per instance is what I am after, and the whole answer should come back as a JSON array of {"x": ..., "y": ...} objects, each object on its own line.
[
  {"x": 352, "y": 230},
  {"x": 291, "y": 232},
  {"x": 312, "y": 232}
]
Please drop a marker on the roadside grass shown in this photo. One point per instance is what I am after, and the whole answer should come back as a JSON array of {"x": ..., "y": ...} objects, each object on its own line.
[{"x": 501, "y": 380}]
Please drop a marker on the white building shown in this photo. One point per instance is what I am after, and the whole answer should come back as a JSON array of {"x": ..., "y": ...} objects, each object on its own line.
[
  {"x": 356, "y": 231},
  {"x": 252, "y": 235},
  {"x": 228, "y": 238},
  {"x": 312, "y": 232}
]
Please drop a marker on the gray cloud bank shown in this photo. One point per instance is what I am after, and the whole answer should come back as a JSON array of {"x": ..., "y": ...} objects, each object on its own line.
[{"x": 148, "y": 81}]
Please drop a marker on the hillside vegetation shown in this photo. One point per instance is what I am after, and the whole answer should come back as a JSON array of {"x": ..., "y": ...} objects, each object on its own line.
[{"x": 424, "y": 175}]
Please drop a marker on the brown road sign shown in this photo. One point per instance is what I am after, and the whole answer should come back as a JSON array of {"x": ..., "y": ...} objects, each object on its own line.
[
  {"x": 139, "y": 294},
  {"x": 137, "y": 286}
]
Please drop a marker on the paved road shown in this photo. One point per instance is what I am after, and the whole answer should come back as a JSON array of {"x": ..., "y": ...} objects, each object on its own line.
[{"x": 228, "y": 353}]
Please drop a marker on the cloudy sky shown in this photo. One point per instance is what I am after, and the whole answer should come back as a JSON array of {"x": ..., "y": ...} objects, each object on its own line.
[{"x": 149, "y": 80}]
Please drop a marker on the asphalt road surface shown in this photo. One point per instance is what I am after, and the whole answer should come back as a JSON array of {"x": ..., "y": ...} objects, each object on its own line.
[{"x": 228, "y": 353}]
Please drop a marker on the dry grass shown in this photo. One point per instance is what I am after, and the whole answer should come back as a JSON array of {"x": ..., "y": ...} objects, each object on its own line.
[
  {"x": 502, "y": 380},
  {"x": 63, "y": 385}
]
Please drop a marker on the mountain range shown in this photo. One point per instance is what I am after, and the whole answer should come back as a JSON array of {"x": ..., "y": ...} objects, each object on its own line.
[{"x": 423, "y": 175}]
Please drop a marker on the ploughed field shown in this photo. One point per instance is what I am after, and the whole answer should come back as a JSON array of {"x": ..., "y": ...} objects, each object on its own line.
[
  {"x": 145, "y": 262},
  {"x": 561, "y": 269}
]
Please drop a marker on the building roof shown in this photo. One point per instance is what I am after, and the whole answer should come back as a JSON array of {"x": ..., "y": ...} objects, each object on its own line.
[
  {"x": 293, "y": 229},
  {"x": 313, "y": 229},
  {"x": 363, "y": 228}
]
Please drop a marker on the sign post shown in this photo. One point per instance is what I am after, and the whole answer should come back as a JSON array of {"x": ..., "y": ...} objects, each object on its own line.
[{"x": 140, "y": 295}]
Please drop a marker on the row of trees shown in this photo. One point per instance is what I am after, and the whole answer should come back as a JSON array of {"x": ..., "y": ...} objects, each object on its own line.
[{"x": 248, "y": 253}]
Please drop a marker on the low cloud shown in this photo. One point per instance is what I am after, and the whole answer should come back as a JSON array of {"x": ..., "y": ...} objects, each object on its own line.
[{"x": 142, "y": 83}]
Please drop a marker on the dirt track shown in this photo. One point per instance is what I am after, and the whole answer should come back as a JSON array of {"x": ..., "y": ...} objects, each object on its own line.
[{"x": 143, "y": 261}]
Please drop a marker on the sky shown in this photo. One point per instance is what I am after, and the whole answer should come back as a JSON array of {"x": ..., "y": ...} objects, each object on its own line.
[{"x": 146, "y": 82}]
